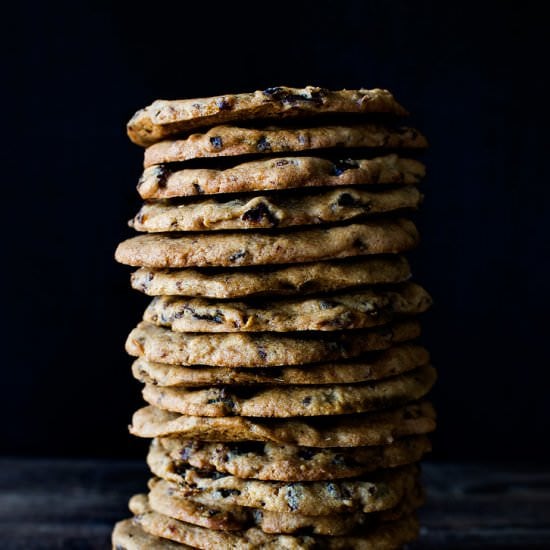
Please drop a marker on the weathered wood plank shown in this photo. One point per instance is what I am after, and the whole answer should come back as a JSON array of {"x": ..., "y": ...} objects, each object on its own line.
[
  {"x": 59, "y": 504},
  {"x": 486, "y": 506}
]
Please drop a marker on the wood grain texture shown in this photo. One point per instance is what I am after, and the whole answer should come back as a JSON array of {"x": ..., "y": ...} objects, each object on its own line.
[{"x": 58, "y": 504}]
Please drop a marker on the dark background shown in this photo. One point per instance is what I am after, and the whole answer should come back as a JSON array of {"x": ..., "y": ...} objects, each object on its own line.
[{"x": 474, "y": 76}]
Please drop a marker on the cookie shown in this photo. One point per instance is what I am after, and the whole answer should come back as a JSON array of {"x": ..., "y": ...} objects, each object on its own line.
[
  {"x": 262, "y": 349},
  {"x": 335, "y": 524},
  {"x": 164, "y": 182},
  {"x": 395, "y": 360},
  {"x": 253, "y": 212},
  {"x": 166, "y": 498},
  {"x": 299, "y": 279},
  {"x": 165, "y": 118},
  {"x": 258, "y": 248},
  {"x": 128, "y": 535},
  {"x": 372, "y": 492},
  {"x": 364, "y": 309},
  {"x": 228, "y": 141},
  {"x": 377, "y": 428},
  {"x": 289, "y": 401},
  {"x": 384, "y": 536},
  {"x": 275, "y": 462}
]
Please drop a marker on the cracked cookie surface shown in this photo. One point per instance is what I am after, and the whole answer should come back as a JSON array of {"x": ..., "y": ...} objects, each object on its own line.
[
  {"x": 373, "y": 492},
  {"x": 227, "y": 141},
  {"x": 241, "y": 349},
  {"x": 372, "y": 366},
  {"x": 270, "y": 461},
  {"x": 246, "y": 248},
  {"x": 258, "y": 212},
  {"x": 166, "y": 498},
  {"x": 290, "y": 401},
  {"x": 274, "y": 280},
  {"x": 386, "y": 536},
  {"x": 274, "y": 174},
  {"x": 363, "y": 309},
  {"x": 165, "y": 118},
  {"x": 377, "y": 428}
]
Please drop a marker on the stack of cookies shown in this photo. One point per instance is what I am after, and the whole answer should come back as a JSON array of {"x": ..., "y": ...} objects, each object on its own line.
[{"x": 285, "y": 389}]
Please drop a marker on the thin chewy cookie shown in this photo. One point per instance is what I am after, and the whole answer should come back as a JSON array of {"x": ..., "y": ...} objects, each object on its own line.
[
  {"x": 228, "y": 141},
  {"x": 276, "y": 462},
  {"x": 290, "y": 401},
  {"x": 363, "y": 309},
  {"x": 273, "y": 280},
  {"x": 385, "y": 536},
  {"x": 165, "y": 118},
  {"x": 274, "y": 174},
  {"x": 258, "y": 248},
  {"x": 378, "y": 428},
  {"x": 264, "y": 211},
  {"x": 261, "y": 349},
  {"x": 373, "y": 366},
  {"x": 165, "y": 498},
  {"x": 373, "y": 492}
]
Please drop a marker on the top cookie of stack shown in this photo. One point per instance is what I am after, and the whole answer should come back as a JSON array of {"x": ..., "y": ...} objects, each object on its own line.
[{"x": 282, "y": 320}]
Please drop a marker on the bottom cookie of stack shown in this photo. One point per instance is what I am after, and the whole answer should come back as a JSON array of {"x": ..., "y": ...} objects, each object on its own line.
[{"x": 151, "y": 531}]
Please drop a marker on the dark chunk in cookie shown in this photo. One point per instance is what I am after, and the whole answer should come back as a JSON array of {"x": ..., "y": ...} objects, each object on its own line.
[
  {"x": 237, "y": 255},
  {"x": 285, "y": 96},
  {"x": 305, "y": 453},
  {"x": 293, "y": 497},
  {"x": 274, "y": 91},
  {"x": 246, "y": 447},
  {"x": 224, "y": 397},
  {"x": 340, "y": 166},
  {"x": 333, "y": 490},
  {"x": 161, "y": 175},
  {"x": 216, "y": 142},
  {"x": 218, "y": 317},
  {"x": 259, "y": 213},
  {"x": 224, "y": 103},
  {"x": 263, "y": 145},
  {"x": 345, "y": 199},
  {"x": 282, "y": 162},
  {"x": 224, "y": 493},
  {"x": 359, "y": 244},
  {"x": 189, "y": 449}
]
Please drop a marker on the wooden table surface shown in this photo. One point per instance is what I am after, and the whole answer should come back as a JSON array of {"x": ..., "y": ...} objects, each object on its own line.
[{"x": 53, "y": 504}]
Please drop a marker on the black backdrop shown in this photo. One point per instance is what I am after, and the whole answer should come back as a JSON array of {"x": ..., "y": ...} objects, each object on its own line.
[{"x": 473, "y": 75}]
